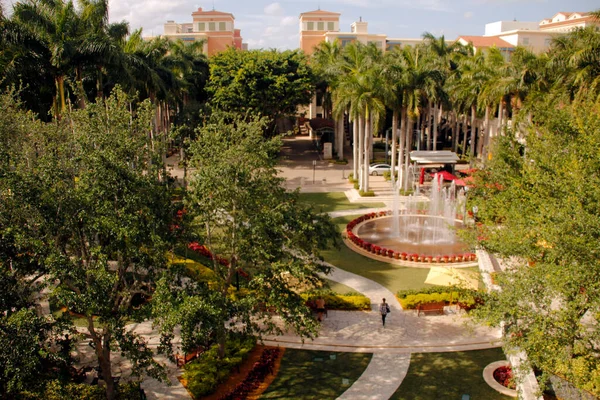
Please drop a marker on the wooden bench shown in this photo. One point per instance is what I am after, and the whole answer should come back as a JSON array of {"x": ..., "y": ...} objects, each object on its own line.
[
  {"x": 187, "y": 357},
  {"x": 437, "y": 307}
]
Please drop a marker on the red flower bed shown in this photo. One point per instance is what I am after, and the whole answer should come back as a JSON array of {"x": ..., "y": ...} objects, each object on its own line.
[
  {"x": 256, "y": 376},
  {"x": 504, "y": 376},
  {"x": 372, "y": 248}
]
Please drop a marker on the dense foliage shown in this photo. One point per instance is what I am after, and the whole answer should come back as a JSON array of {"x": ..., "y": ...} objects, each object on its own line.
[{"x": 267, "y": 83}]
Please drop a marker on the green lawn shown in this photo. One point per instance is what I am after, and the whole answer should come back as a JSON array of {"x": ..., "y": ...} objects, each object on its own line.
[
  {"x": 449, "y": 376},
  {"x": 335, "y": 201},
  {"x": 339, "y": 288},
  {"x": 393, "y": 277},
  {"x": 316, "y": 374}
]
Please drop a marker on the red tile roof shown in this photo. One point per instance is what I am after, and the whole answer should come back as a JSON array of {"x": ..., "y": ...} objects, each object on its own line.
[{"x": 486, "y": 41}]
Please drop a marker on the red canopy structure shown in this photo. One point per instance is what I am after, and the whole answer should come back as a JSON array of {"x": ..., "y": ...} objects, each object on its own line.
[
  {"x": 467, "y": 181},
  {"x": 446, "y": 175}
]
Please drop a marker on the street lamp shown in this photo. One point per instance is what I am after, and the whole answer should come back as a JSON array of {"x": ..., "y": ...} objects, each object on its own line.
[
  {"x": 314, "y": 167},
  {"x": 475, "y": 210}
]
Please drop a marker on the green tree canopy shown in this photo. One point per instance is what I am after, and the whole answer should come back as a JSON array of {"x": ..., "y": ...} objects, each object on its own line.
[
  {"x": 538, "y": 204},
  {"x": 266, "y": 82},
  {"x": 244, "y": 215}
]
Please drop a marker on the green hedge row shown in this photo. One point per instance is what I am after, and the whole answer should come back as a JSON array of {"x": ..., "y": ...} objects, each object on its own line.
[
  {"x": 413, "y": 300},
  {"x": 204, "y": 374},
  {"x": 334, "y": 301}
]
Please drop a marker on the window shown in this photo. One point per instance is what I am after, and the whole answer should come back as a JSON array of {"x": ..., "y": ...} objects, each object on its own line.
[
  {"x": 525, "y": 40},
  {"x": 310, "y": 26},
  {"x": 222, "y": 26},
  {"x": 547, "y": 42},
  {"x": 201, "y": 27},
  {"x": 346, "y": 42},
  {"x": 211, "y": 26},
  {"x": 330, "y": 26},
  {"x": 321, "y": 26}
]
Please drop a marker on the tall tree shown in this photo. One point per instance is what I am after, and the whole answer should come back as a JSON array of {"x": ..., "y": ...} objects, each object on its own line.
[
  {"x": 102, "y": 218},
  {"x": 538, "y": 207},
  {"x": 269, "y": 83},
  {"x": 253, "y": 226}
]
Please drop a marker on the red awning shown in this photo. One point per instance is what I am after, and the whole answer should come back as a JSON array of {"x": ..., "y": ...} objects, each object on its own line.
[{"x": 446, "y": 175}]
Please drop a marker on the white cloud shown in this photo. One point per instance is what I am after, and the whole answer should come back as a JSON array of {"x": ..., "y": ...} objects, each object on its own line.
[
  {"x": 289, "y": 21},
  {"x": 431, "y": 5},
  {"x": 468, "y": 15},
  {"x": 274, "y": 9}
]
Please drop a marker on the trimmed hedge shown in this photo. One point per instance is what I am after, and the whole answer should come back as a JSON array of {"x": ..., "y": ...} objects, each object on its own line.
[
  {"x": 334, "y": 301},
  {"x": 368, "y": 193},
  {"x": 410, "y": 299},
  {"x": 204, "y": 374}
]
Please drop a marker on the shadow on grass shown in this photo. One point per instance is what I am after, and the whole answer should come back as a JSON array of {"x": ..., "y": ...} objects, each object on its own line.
[
  {"x": 449, "y": 376},
  {"x": 334, "y": 201},
  {"x": 316, "y": 374}
]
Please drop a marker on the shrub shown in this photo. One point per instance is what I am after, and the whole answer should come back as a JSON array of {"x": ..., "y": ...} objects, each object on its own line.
[
  {"x": 335, "y": 301},
  {"x": 356, "y": 186},
  {"x": 435, "y": 295},
  {"x": 406, "y": 192},
  {"x": 362, "y": 193},
  {"x": 205, "y": 373}
]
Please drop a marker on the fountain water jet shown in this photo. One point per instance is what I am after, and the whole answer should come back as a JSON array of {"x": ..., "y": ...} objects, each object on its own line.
[{"x": 423, "y": 228}]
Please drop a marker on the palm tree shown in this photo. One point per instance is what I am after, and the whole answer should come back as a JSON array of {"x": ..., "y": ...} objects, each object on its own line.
[{"x": 57, "y": 26}]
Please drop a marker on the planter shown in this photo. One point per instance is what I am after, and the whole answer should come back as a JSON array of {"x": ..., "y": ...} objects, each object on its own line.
[{"x": 488, "y": 376}]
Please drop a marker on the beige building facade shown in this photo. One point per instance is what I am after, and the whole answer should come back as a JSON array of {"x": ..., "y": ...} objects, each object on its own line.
[{"x": 215, "y": 28}]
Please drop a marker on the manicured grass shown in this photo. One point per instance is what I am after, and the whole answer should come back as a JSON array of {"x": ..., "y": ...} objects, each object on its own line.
[
  {"x": 316, "y": 374},
  {"x": 391, "y": 276},
  {"x": 449, "y": 376},
  {"x": 339, "y": 288},
  {"x": 335, "y": 201}
]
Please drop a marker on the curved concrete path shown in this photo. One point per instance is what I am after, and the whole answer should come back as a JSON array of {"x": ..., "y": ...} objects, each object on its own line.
[{"x": 381, "y": 378}]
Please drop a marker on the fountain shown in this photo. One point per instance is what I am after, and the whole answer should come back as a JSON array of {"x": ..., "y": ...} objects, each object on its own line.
[{"x": 422, "y": 231}]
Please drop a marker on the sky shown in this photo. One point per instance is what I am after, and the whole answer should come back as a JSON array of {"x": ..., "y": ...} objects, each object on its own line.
[{"x": 275, "y": 24}]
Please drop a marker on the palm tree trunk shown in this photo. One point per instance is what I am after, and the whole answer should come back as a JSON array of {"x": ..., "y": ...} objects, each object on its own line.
[
  {"x": 428, "y": 125},
  {"x": 402, "y": 142},
  {"x": 81, "y": 91},
  {"x": 361, "y": 152},
  {"x": 436, "y": 120},
  {"x": 486, "y": 133},
  {"x": 455, "y": 131},
  {"x": 60, "y": 90},
  {"x": 464, "y": 128},
  {"x": 500, "y": 116},
  {"x": 472, "y": 149},
  {"x": 340, "y": 137},
  {"x": 409, "y": 135},
  {"x": 368, "y": 141},
  {"x": 355, "y": 148},
  {"x": 394, "y": 134}
]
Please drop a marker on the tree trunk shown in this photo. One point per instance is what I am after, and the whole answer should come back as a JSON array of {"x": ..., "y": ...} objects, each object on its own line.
[
  {"x": 472, "y": 149},
  {"x": 355, "y": 148},
  {"x": 436, "y": 120},
  {"x": 340, "y": 128},
  {"x": 409, "y": 134},
  {"x": 394, "y": 134},
  {"x": 361, "y": 151},
  {"x": 81, "y": 91},
  {"x": 60, "y": 89},
  {"x": 428, "y": 125},
  {"x": 486, "y": 134},
  {"x": 103, "y": 353},
  {"x": 455, "y": 131},
  {"x": 465, "y": 130},
  {"x": 368, "y": 137},
  {"x": 500, "y": 115},
  {"x": 402, "y": 142}
]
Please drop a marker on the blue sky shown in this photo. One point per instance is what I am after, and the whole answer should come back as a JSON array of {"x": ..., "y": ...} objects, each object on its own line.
[{"x": 274, "y": 24}]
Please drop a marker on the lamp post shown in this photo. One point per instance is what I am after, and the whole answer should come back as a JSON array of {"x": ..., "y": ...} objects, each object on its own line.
[
  {"x": 314, "y": 167},
  {"x": 475, "y": 210}
]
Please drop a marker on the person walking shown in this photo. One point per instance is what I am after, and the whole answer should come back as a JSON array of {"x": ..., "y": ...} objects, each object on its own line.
[{"x": 384, "y": 309}]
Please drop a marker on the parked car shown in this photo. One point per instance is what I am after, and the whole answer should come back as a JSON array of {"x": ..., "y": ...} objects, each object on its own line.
[{"x": 379, "y": 169}]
